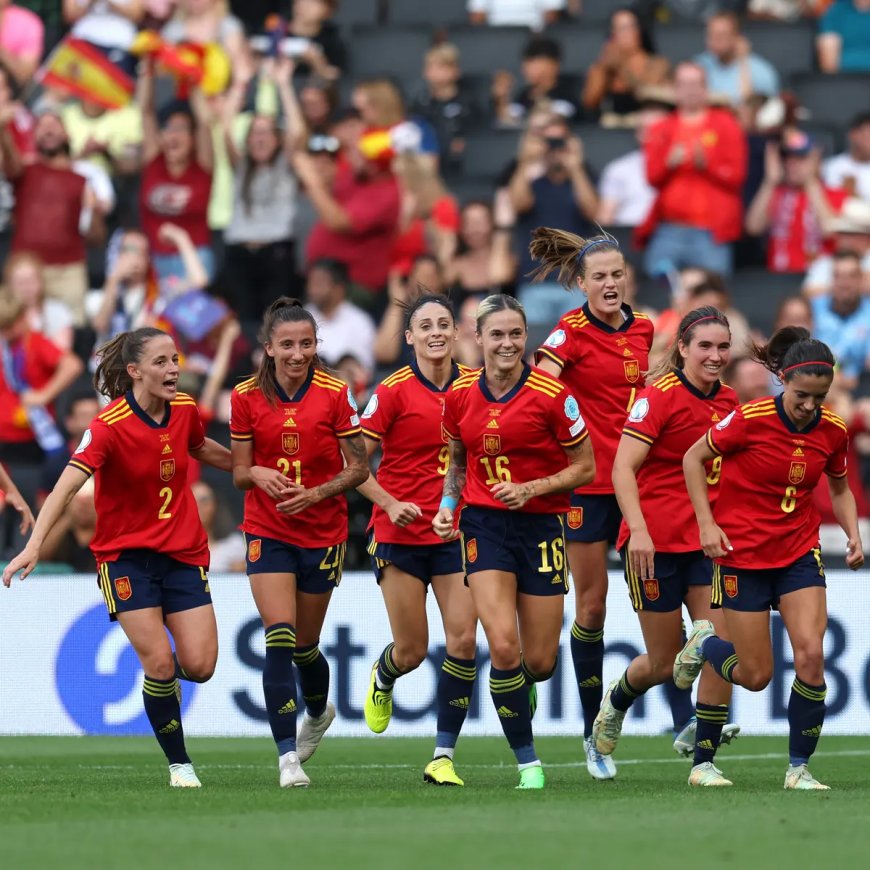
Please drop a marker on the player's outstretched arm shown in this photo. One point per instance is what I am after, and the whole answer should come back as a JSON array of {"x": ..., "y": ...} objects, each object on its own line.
[
  {"x": 70, "y": 482},
  {"x": 846, "y": 513},
  {"x": 714, "y": 541},
  {"x": 213, "y": 454},
  {"x": 401, "y": 513},
  {"x": 16, "y": 500}
]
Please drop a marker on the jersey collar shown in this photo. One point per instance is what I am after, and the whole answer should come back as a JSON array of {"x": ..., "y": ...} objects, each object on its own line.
[
  {"x": 147, "y": 419},
  {"x": 300, "y": 393},
  {"x": 606, "y": 327},
  {"x": 454, "y": 374},
  {"x": 786, "y": 420},
  {"x": 527, "y": 370},
  {"x": 693, "y": 389}
]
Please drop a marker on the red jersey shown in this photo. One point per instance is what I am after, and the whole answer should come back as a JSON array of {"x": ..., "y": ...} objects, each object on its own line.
[
  {"x": 602, "y": 367},
  {"x": 671, "y": 415},
  {"x": 404, "y": 415},
  {"x": 765, "y": 503},
  {"x": 142, "y": 495},
  {"x": 516, "y": 438},
  {"x": 298, "y": 436}
]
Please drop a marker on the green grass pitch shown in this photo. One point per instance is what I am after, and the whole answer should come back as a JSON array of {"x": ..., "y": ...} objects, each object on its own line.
[{"x": 104, "y": 802}]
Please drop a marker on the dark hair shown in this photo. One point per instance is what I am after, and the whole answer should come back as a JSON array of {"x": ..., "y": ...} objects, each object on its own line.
[
  {"x": 111, "y": 377},
  {"x": 336, "y": 270},
  {"x": 411, "y": 307},
  {"x": 498, "y": 302},
  {"x": 859, "y": 120},
  {"x": 711, "y": 284},
  {"x": 250, "y": 169},
  {"x": 646, "y": 40},
  {"x": 846, "y": 254},
  {"x": 727, "y": 15},
  {"x": 559, "y": 249},
  {"x": 282, "y": 310},
  {"x": 791, "y": 350},
  {"x": 685, "y": 334},
  {"x": 175, "y": 107},
  {"x": 542, "y": 46}
]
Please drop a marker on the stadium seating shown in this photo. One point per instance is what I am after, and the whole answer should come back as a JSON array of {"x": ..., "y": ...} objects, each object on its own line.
[
  {"x": 486, "y": 49},
  {"x": 352, "y": 12},
  {"x": 392, "y": 51},
  {"x": 758, "y": 292},
  {"x": 679, "y": 41},
  {"x": 600, "y": 146},
  {"x": 442, "y": 13},
  {"x": 488, "y": 152},
  {"x": 581, "y": 44},
  {"x": 790, "y": 49},
  {"x": 833, "y": 99}
]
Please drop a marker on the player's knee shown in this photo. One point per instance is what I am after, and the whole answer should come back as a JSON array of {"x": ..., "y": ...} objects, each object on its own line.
[
  {"x": 199, "y": 669},
  {"x": 409, "y": 656},
  {"x": 662, "y": 667},
  {"x": 159, "y": 667},
  {"x": 504, "y": 653},
  {"x": 541, "y": 665},
  {"x": 809, "y": 663},
  {"x": 463, "y": 644},
  {"x": 756, "y": 679},
  {"x": 592, "y": 612}
]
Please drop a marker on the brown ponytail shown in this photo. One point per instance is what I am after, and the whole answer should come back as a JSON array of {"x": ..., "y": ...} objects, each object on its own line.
[
  {"x": 558, "y": 249},
  {"x": 685, "y": 334},
  {"x": 111, "y": 378},
  {"x": 791, "y": 350}
]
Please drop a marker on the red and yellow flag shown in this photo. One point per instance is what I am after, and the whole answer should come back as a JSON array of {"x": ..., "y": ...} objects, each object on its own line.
[{"x": 84, "y": 71}]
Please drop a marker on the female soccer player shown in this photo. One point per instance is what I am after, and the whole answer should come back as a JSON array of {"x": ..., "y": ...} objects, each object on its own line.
[
  {"x": 664, "y": 566},
  {"x": 297, "y": 449},
  {"x": 150, "y": 546},
  {"x": 765, "y": 535},
  {"x": 404, "y": 418},
  {"x": 599, "y": 351},
  {"x": 511, "y": 427}
]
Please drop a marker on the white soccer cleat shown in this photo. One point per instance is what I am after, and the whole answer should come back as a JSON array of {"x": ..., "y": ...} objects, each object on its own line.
[
  {"x": 690, "y": 659},
  {"x": 599, "y": 766},
  {"x": 291, "y": 774},
  {"x": 311, "y": 732},
  {"x": 183, "y": 776},
  {"x": 684, "y": 742},
  {"x": 608, "y": 724},
  {"x": 799, "y": 778},
  {"x": 707, "y": 775}
]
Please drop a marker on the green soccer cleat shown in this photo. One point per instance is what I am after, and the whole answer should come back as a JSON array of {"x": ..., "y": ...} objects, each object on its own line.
[
  {"x": 799, "y": 778},
  {"x": 532, "y": 778},
  {"x": 690, "y": 659},
  {"x": 440, "y": 771},
  {"x": 707, "y": 775},
  {"x": 183, "y": 776},
  {"x": 608, "y": 724},
  {"x": 378, "y": 707}
]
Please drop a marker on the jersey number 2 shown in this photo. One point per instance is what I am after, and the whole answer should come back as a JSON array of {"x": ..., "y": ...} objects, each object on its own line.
[{"x": 166, "y": 495}]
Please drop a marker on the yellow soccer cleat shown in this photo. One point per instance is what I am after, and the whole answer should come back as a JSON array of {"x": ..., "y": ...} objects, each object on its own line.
[
  {"x": 799, "y": 778},
  {"x": 440, "y": 771},
  {"x": 378, "y": 707}
]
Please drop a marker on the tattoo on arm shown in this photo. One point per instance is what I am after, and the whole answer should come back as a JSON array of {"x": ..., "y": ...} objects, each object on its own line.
[
  {"x": 354, "y": 472},
  {"x": 454, "y": 481}
]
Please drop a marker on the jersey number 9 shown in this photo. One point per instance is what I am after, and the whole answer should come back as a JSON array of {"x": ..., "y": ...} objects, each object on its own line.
[
  {"x": 715, "y": 471},
  {"x": 443, "y": 460}
]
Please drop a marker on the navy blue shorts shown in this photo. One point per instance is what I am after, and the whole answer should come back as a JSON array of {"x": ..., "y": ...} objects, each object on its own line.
[
  {"x": 593, "y": 518},
  {"x": 146, "y": 578},
  {"x": 317, "y": 569},
  {"x": 424, "y": 562},
  {"x": 530, "y": 546},
  {"x": 674, "y": 574},
  {"x": 758, "y": 590}
]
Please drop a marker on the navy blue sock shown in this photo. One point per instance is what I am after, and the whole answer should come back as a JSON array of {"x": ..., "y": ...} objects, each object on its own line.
[
  {"x": 624, "y": 694},
  {"x": 680, "y": 701},
  {"x": 455, "y": 688},
  {"x": 388, "y": 671},
  {"x": 711, "y": 720},
  {"x": 806, "y": 715},
  {"x": 510, "y": 694},
  {"x": 587, "y": 653},
  {"x": 279, "y": 685},
  {"x": 314, "y": 676},
  {"x": 721, "y": 656},
  {"x": 163, "y": 708}
]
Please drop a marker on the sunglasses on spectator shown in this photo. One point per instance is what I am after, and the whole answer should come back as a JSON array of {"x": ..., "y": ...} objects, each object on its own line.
[{"x": 320, "y": 144}]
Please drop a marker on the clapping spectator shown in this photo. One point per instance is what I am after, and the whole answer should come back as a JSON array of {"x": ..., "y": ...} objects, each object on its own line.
[
  {"x": 110, "y": 25},
  {"x": 109, "y": 138},
  {"x": 843, "y": 43},
  {"x": 732, "y": 69},
  {"x": 260, "y": 264},
  {"x": 227, "y": 548},
  {"x": 851, "y": 229},
  {"x": 792, "y": 206},
  {"x": 21, "y": 41},
  {"x": 851, "y": 170},
  {"x": 535, "y": 14},
  {"x": 627, "y": 64},
  {"x": 22, "y": 278}
]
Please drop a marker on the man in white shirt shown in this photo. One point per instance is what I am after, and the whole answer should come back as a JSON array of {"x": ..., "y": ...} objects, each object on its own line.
[
  {"x": 342, "y": 327},
  {"x": 535, "y": 14},
  {"x": 852, "y": 233},
  {"x": 851, "y": 170}
]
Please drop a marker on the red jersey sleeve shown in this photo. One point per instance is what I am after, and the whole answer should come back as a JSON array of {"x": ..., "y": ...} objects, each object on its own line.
[
  {"x": 240, "y": 417},
  {"x": 648, "y": 415},
  {"x": 729, "y": 435},
  {"x": 379, "y": 413},
  {"x": 567, "y": 422},
  {"x": 196, "y": 436},
  {"x": 452, "y": 414},
  {"x": 560, "y": 346},
  {"x": 837, "y": 461},
  {"x": 93, "y": 448},
  {"x": 345, "y": 415}
]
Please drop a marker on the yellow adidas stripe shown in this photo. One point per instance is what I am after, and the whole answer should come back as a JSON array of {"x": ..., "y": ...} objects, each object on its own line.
[
  {"x": 399, "y": 373},
  {"x": 113, "y": 412},
  {"x": 118, "y": 419}
]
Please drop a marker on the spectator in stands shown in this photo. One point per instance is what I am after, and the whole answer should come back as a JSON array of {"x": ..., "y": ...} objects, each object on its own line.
[
  {"x": 343, "y": 328},
  {"x": 851, "y": 170},
  {"x": 794, "y": 311},
  {"x": 22, "y": 277},
  {"x": 535, "y": 14},
  {"x": 379, "y": 103},
  {"x": 178, "y": 158},
  {"x": 68, "y": 541},
  {"x": 792, "y": 205},
  {"x": 326, "y": 55},
  {"x": 317, "y": 100},
  {"x": 542, "y": 83},
  {"x": 51, "y": 207},
  {"x": 696, "y": 159},
  {"x": 260, "y": 262},
  {"x": 111, "y": 25},
  {"x": 227, "y": 547},
  {"x": 111, "y": 139},
  {"x": 21, "y": 41},
  {"x": 625, "y": 194},
  {"x": 627, "y": 64},
  {"x": 843, "y": 43},
  {"x": 851, "y": 230},
  {"x": 748, "y": 378},
  {"x": 789, "y": 11},
  {"x": 564, "y": 197},
  {"x": 842, "y": 319},
  {"x": 324, "y": 152},
  {"x": 439, "y": 101},
  {"x": 467, "y": 351},
  {"x": 81, "y": 409},
  {"x": 731, "y": 67}
]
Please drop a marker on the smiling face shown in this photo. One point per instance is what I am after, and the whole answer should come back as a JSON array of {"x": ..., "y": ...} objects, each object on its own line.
[
  {"x": 25, "y": 282},
  {"x": 292, "y": 345},
  {"x": 432, "y": 333},
  {"x": 475, "y": 227},
  {"x": 706, "y": 354},
  {"x": 502, "y": 337},
  {"x": 263, "y": 139},
  {"x": 156, "y": 372},
  {"x": 604, "y": 282},
  {"x": 176, "y": 138},
  {"x": 803, "y": 395}
]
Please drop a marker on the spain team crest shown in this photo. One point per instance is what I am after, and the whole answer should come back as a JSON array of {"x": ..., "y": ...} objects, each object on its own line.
[
  {"x": 796, "y": 472},
  {"x": 575, "y": 517},
  {"x": 729, "y": 582},
  {"x": 167, "y": 469},
  {"x": 255, "y": 547},
  {"x": 290, "y": 442},
  {"x": 123, "y": 589},
  {"x": 651, "y": 590},
  {"x": 632, "y": 370},
  {"x": 492, "y": 444},
  {"x": 471, "y": 550}
]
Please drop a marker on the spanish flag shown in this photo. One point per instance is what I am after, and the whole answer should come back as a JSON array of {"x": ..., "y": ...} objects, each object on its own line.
[{"x": 84, "y": 71}]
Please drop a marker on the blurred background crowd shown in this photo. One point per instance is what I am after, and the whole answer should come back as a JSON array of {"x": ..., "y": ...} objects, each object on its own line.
[{"x": 181, "y": 163}]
